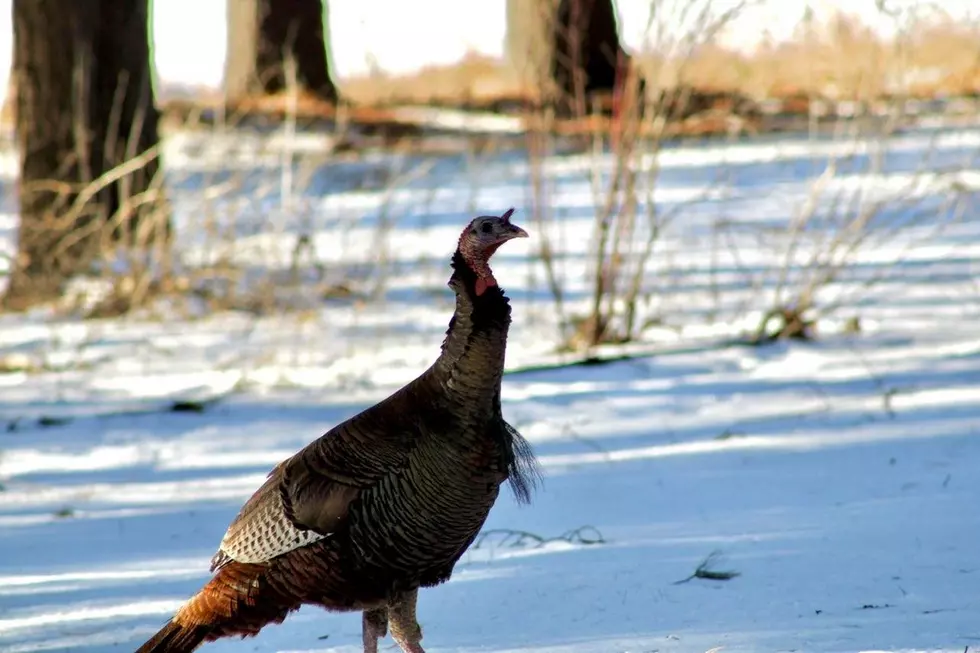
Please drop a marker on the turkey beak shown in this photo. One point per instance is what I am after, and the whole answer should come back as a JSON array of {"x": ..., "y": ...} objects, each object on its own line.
[{"x": 516, "y": 232}]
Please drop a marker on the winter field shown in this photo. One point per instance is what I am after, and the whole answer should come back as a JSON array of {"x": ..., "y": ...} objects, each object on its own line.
[{"x": 837, "y": 478}]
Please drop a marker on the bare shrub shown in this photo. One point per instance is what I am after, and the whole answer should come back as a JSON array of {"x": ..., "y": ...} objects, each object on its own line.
[
  {"x": 858, "y": 207},
  {"x": 83, "y": 243},
  {"x": 647, "y": 108},
  {"x": 857, "y": 226}
]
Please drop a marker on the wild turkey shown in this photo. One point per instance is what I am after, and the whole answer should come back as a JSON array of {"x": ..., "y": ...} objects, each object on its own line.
[{"x": 385, "y": 502}]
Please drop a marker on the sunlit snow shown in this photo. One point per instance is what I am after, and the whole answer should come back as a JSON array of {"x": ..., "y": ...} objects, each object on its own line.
[{"x": 836, "y": 477}]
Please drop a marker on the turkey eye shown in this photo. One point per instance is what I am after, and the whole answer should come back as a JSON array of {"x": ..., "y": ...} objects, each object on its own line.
[{"x": 486, "y": 228}]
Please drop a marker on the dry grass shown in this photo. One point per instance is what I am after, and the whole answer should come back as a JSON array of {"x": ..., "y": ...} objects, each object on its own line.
[
  {"x": 847, "y": 64},
  {"x": 838, "y": 59},
  {"x": 475, "y": 79},
  {"x": 844, "y": 59}
]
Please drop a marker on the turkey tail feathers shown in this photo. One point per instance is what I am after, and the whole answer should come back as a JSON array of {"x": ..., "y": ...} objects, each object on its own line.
[
  {"x": 174, "y": 638},
  {"x": 238, "y": 600},
  {"x": 524, "y": 473}
]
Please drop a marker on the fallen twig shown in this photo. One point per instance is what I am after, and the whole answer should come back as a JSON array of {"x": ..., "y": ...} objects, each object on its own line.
[
  {"x": 705, "y": 572},
  {"x": 585, "y": 535}
]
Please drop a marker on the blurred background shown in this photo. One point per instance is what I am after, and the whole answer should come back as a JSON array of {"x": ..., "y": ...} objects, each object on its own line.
[
  {"x": 122, "y": 107},
  {"x": 159, "y": 92}
]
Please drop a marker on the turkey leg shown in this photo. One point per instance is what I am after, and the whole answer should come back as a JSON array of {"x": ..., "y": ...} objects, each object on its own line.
[
  {"x": 374, "y": 626},
  {"x": 405, "y": 630}
]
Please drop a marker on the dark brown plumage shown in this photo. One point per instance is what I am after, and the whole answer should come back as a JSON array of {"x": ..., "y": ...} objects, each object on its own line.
[{"x": 385, "y": 502}]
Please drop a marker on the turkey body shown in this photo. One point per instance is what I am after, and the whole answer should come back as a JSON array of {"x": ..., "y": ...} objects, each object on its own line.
[{"x": 379, "y": 506}]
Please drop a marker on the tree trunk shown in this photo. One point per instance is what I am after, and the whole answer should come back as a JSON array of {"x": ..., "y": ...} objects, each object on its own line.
[
  {"x": 84, "y": 107},
  {"x": 569, "y": 49},
  {"x": 263, "y": 34},
  {"x": 529, "y": 46}
]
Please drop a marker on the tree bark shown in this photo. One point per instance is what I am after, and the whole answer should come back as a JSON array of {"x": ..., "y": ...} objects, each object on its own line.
[
  {"x": 565, "y": 50},
  {"x": 263, "y": 34},
  {"x": 84, "y": 108},
  {"x": 529, "y": 46}
]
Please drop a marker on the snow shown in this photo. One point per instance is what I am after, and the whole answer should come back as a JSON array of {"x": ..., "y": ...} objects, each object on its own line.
[{"x": 836, "y": 477}]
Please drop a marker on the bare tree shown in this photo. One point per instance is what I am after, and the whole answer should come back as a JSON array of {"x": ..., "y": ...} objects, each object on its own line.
[
  {"x": 568, "y": 50},
  {"x": 87, "y": 131},
  {"x": 528, "y": 45},
  {"x": 264, "y": 34}
]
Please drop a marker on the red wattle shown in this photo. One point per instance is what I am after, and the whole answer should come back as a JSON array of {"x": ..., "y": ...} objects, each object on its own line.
[{"x": 482, "y": 285}]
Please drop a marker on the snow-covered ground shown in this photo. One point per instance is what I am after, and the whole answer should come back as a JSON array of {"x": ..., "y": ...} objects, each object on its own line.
[{"x": 837, "y": 478}]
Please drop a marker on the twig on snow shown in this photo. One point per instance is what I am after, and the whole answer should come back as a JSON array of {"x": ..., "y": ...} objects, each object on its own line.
[
  {"x": 585, "y": 535},
  {"x": 705, "y": 572}
]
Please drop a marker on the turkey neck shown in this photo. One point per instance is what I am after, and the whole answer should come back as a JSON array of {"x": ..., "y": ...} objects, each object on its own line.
[{"x": 472, "y": 361}]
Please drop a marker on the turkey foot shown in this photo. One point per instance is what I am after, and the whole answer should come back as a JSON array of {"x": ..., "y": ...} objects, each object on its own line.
[
  {"x": 374, "y": 626},
  {"x": 405, "y": 630}
]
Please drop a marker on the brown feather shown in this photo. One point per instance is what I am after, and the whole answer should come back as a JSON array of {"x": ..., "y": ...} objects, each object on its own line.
[{"x": 174, "y": 638}]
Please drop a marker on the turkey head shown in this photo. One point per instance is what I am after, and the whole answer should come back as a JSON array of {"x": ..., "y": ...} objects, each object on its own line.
[{"x": 480, "y": 240}]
